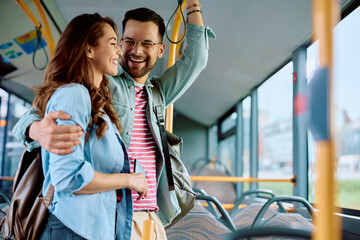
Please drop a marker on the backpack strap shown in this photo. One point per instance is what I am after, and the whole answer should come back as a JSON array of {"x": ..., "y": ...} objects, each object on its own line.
[{"x": 158, "y": 107}]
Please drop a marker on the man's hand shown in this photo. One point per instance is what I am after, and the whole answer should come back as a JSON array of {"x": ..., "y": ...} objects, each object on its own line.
[{"x": 56, "y": 139}]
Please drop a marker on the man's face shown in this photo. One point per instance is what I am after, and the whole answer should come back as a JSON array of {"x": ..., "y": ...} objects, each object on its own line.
[{"x": 139, "y": 58}]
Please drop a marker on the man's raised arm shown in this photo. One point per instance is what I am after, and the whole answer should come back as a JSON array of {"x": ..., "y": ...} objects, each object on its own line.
[{"x": 194, "y": 12}]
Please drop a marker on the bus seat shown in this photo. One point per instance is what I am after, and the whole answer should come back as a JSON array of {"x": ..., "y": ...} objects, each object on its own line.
[
  {"x": 201, "y": 224},
  {"x": 4, "y": 206},
  {"x": 292, "y": 220},
  {"x": 284, "y": 218},
  {"x": 270, "y": 233},
  {"x": 250, "y": 197},
  {"x": 245, "y": 217},
  {"x": 198, "y": 224},
  {"x": 223, "y": 191}
]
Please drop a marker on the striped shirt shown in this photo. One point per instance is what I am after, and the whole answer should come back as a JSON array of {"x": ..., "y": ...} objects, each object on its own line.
[{"x": 143, "y": 148}]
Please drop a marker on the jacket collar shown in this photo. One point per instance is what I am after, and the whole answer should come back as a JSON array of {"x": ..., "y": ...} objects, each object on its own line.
[{"x": 125, "y": 75}]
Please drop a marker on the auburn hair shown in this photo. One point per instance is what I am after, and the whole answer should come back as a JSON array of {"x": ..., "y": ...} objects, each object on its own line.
[{"x": 70, "y": 65}]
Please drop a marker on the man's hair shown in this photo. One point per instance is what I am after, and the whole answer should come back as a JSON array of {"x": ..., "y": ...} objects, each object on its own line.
[{"x": 145, "y": 15}]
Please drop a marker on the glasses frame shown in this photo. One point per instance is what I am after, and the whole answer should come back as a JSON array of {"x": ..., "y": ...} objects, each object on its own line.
[{"x": 141, "y": 42}]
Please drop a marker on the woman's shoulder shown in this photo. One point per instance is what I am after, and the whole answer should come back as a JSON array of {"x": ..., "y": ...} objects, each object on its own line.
[
  {"x": 70, "y": 96},
  {"x": 72, "y": 88},
  {"x": 71, "y": 91}
]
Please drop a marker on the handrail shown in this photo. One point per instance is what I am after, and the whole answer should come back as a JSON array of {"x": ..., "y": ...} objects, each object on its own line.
[
  {"x": 148, "y": 230},
  {"x": 46, "y": 26},
  {"x": 242, "y": 179},
  {"x": 171, "y": 61},
  {"x": 326, "y": 14},
  {"x": 6, "y": 178},
  {"x": 37, "y": 24}
]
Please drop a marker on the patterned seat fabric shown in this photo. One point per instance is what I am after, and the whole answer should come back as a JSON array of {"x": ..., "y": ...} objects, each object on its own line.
[
  {"x": 245, "y": 217},
  {"x": 198, "y": 224},
  {"x": 292, "y": 220}
]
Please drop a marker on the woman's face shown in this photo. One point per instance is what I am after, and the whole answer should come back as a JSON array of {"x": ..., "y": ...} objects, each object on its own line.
[{"x": 104, "y": 58}]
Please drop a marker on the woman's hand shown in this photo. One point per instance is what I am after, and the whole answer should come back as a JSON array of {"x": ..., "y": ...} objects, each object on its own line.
[{"x": 139, "y": 184}]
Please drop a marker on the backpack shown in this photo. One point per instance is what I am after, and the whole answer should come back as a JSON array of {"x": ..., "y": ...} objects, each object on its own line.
[
  {"x": 28, "y": 211},
  {"x": 177, "y": 174}
]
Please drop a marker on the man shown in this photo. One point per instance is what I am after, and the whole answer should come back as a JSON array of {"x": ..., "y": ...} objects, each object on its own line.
[{"x": 142, "y": 44}]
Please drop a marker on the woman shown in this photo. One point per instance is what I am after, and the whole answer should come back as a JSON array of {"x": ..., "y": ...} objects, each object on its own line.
[{"x": 92, "y": 198}]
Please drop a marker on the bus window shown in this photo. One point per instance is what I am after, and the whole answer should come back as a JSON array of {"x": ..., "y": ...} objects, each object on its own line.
[
  {"x": 246, "y": 108},
  {"x": 347, "y": 109},
  {"x": 275, "y": 130}
]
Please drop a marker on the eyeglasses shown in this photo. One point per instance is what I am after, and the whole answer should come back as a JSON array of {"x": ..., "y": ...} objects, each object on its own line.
[{"x": 130, "y": 43}]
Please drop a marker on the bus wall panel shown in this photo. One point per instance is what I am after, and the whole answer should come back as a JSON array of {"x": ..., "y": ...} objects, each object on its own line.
[{"x": 194, "y": 136}]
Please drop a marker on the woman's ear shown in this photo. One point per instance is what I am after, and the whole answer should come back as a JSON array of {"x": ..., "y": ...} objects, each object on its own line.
[{"x": 89, "y": 52}]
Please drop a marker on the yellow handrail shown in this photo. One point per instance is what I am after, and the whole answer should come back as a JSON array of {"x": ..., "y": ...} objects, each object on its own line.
[
  {"x": 171, "y": 61},
  {"x": 326, "y": 14},
  {"x": 148, "y": 230},
  {"x": 241, "y": 179},
  {"x": 46, "y": 26},
  {"x": 37, "y": 24}
]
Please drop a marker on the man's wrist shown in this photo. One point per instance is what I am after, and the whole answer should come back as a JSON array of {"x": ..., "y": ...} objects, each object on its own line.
[{"x": 27, "y": 135}]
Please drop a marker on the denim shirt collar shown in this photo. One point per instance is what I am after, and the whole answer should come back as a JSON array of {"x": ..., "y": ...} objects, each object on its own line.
[{"x": 124, "y": 75}]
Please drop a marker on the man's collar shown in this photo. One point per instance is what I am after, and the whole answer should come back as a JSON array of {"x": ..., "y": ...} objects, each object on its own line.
[{"x": 122, "y": 71}]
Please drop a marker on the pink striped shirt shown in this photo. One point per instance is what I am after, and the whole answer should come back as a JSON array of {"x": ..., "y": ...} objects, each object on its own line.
[{"x": 143, "y": 148}]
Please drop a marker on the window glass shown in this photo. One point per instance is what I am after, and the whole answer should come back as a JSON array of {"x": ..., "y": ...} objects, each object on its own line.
[
  {"x": 346, "y": 111},
  {"x": 12, "y": 108},
  {"x": 229, "y": 123},
  {"x": 312, "y": 64},
  {"x": 213, "y": 142},
  {"x": 4, "y": 96},
  {"x": 275, "y": 130},
  {"x": 227, "y": 153},
  {"x": 14, "y": 148},
  {"x": 246, "y": 108}
]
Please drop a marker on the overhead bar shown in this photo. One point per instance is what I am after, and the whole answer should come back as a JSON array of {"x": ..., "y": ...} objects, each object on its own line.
[
  {"x": 172, "y": 59},
  {"x": 37, "y": 24}
]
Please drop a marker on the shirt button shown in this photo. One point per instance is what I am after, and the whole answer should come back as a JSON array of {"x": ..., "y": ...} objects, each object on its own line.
[
  {"x": 132, "y": 109},
  {"x": 128, "y": 133},
  {"x": 131, "y": 86}
]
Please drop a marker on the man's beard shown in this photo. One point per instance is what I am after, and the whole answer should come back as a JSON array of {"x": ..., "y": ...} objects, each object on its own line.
[{"x": 137, "y": 73}]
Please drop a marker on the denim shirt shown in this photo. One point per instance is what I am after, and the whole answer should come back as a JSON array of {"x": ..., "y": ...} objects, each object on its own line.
[
  {"x": 92, "y": 216},
  {"x": 172, "y": 85}
]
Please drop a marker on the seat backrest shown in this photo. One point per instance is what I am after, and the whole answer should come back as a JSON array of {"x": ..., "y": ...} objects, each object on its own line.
[
  {"x": 223, "y": 191},
  {"x": 291, "y": 220},
  {"x": 198, "y": 224},
  {"x": 245, "y": 217}
]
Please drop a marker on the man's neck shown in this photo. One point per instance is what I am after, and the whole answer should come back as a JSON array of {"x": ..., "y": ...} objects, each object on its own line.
[{"x": 141, "y": 80}]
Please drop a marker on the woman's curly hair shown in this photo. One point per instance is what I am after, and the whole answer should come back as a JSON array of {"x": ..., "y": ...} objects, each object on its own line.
[{"x": 70, "y": 65}]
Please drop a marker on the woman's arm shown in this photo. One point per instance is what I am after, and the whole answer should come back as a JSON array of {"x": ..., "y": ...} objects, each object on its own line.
[{"x": 106, "y": 182}]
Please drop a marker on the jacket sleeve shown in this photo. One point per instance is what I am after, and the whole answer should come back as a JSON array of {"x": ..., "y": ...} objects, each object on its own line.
[
  {"x": 20, "y": 127},
  {"x": 69, "y": 173},
  {"x": 178, "y": 78}
]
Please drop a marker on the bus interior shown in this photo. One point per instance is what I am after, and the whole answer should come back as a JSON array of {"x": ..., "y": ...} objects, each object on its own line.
[{"x": 252, "y": 123}]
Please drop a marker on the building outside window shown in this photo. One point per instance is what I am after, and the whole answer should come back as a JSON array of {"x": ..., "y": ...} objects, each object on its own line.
[
  {"x": 275, "y": 130},
  {"x": 346, "y": 110}
]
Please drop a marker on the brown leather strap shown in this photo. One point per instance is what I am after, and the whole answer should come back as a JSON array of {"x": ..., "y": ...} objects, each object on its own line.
[{"x": 49, "y": 195}]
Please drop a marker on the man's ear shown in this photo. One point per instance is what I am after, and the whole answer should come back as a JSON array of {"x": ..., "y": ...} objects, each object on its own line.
[
  {"x": 89, "y": 52},
  {"x": 161, "y": 50}
]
